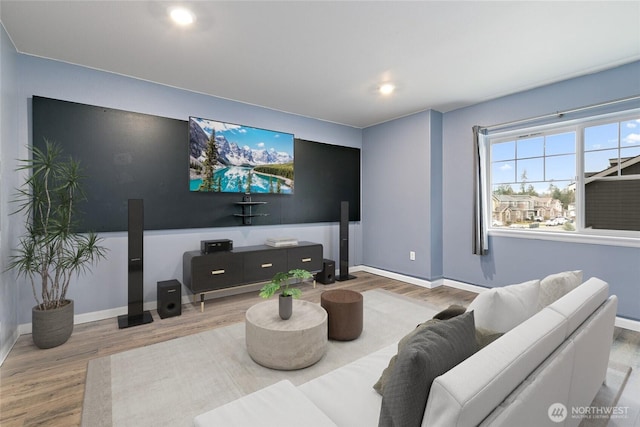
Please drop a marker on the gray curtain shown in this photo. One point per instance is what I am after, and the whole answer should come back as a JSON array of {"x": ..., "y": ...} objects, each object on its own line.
[{"x": 480, "y": 216}]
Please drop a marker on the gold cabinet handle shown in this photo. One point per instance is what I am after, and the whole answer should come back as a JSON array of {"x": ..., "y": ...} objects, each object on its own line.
[
  {"x": 266, "y": 265},
  {"x": 306, "y": 259},
  {"x": 214, "y": 272}
]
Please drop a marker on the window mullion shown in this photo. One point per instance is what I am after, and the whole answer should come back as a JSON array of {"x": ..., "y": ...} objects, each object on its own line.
[{"x": 580, "y": 178}]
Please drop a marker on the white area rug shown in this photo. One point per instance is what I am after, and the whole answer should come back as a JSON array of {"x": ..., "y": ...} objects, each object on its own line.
[{"x": 169, "y": 383}]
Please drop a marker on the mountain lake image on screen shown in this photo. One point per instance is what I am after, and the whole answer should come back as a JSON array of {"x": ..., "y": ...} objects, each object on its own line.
[{"x": 231, "y": 158}]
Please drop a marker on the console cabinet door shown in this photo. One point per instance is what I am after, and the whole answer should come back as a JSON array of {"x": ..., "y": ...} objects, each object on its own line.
[
  {"x": 215, "y": 271},
  {"x": 305, "y": 257},
  {"x": 260, "y": 266}
]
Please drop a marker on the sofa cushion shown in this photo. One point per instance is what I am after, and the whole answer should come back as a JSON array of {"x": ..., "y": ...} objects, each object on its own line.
[
  {"x": 386, "y": 373},
  {"x": 345, "y": 394},
  {"x": 557, "y": 285},
  {"x": 449, "y": 312},
  {"x": 484, "y": 337},
  {"x": 280, "y": 404},
  {"x": 501, "y": 309},
  {"x": 432, "y": 351}
]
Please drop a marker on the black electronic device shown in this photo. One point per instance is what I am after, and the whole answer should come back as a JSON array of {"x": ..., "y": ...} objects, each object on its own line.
[
  {"x": 327, "y": 275},
  {"x": 135, "y": 312},
  {"x": 169, "y": 298},
  {"x": 210, "y": 246},
  {"x": 344, "y": 243}
]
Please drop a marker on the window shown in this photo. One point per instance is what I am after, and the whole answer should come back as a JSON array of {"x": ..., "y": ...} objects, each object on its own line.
[{"x": 570, "y": 178}]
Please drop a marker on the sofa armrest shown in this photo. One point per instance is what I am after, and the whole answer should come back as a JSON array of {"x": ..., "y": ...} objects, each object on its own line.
[
  {"x": 466, "y": 394},
  {"x": 281, "y": 404},
  {"x": 580, "y": 303}
]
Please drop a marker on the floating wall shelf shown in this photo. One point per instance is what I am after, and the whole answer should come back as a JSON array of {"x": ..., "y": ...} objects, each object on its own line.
[{"x": 247, "y": 209}]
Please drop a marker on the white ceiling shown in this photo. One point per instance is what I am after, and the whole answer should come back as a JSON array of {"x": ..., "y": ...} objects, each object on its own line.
[{"x": 325, "y": 59}]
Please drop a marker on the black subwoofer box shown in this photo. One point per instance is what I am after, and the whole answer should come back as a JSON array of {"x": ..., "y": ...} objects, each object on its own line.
[
  {"x": 169, "y": 298},
  {"x": 328, "y": 273}
]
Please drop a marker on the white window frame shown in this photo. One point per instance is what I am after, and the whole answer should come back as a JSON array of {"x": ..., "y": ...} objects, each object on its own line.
[{"x": 581, "y": 234}]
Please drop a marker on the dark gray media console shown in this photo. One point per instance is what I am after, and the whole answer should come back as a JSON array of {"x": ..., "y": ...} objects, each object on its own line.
[{"x": 229, "y": 272}]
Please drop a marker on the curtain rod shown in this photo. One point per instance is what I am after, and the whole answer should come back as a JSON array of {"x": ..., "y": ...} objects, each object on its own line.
[{"x": 562, "y": 113}]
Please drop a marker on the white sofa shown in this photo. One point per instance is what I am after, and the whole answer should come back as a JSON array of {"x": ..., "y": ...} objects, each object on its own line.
[{"x": 558, "y": 355}]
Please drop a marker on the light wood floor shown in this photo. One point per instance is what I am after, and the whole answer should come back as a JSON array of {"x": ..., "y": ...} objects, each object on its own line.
[{"x": 46, "y": 387}]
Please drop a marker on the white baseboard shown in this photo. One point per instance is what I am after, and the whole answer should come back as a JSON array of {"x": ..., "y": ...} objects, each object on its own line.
[
  {"x": 78, "y": 319},
  {"x": 396, "y": 276},
  {"x": 464, "y": 286},
  {"x": 7, "y": 346},
  {"x": 632, "y": 325},
  {"x": 94, "y": 316},
  {"x": 25, "y": 328}
]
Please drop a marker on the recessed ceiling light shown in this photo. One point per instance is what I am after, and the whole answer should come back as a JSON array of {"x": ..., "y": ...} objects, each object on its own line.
[
  {"x": 387, "y": 89},
  {"x": 181, "y": 16}
]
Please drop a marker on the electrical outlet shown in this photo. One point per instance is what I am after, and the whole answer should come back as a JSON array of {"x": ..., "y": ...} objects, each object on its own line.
[{"x": 412, "y": 256}]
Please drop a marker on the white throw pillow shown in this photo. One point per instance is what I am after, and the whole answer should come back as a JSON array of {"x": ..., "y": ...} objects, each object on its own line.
[
  {"x": 501, "y": 309},
  {"x": 558, "y": 285}
]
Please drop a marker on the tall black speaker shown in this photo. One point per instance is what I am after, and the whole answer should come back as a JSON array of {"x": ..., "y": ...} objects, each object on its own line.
[
  {"x": 135, "y": 308},
  {"x": 344, "y": 243}
]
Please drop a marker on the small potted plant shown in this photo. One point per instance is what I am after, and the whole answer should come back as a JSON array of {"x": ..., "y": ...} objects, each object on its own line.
[{"x": 281, "y": 282}]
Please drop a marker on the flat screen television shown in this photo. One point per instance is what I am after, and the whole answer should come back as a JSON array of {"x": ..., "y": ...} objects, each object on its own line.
[{"x": 231, "y": 158}]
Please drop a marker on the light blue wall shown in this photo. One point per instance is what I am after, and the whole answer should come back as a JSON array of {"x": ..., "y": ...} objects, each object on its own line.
[
  {"x": 416, "y": 187},
  {"x": 401, "y": 192},
  {"x": 106, "y": 287},
  {"x": 513, "y": 260},
  {"x": 8, "y": 150},
  {"x": 435, "y": 203}
]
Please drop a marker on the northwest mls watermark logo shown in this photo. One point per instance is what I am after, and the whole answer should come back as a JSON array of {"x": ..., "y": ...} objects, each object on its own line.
[{"x": 557, "y": 412}]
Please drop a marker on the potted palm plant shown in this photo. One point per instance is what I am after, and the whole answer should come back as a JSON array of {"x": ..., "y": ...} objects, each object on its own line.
[
  {"x": 281, "y": 282},
  {"x": 50, "y": 252}
]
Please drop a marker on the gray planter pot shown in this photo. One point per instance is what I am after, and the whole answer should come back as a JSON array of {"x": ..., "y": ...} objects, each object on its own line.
[
  {"x": 286, "y": 306},
  {"x": 51, "y": 328}
]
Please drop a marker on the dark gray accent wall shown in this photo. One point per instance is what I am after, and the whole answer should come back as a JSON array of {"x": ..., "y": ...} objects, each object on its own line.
[{"x": 127, "y": 155}]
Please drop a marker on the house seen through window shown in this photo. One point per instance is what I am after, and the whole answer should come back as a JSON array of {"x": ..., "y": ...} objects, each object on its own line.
[{"x": 568, "y": 178}]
